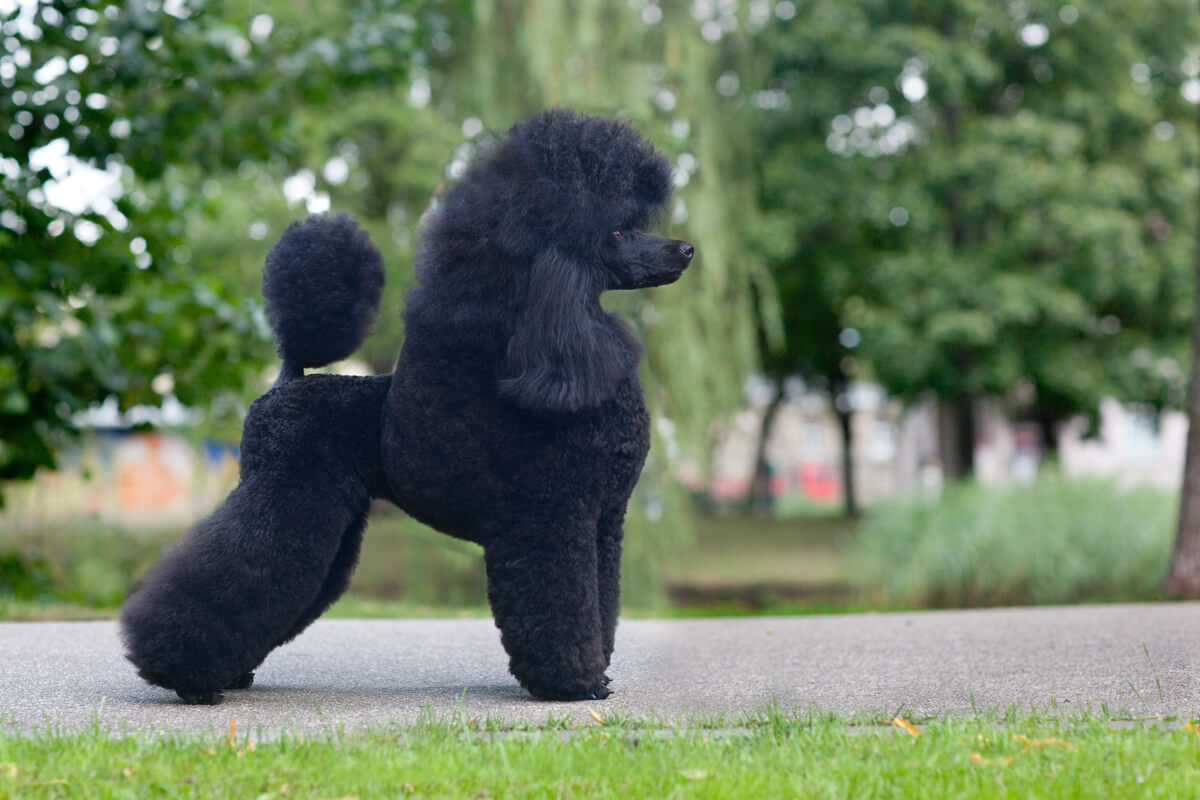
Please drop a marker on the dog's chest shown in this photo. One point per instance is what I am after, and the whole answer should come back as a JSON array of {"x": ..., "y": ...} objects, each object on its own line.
[
  {"x": 454, "y": 452},
  {"x": 622, "y": 427}
]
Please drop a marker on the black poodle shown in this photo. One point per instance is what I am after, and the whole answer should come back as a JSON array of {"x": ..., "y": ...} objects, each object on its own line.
[{"x": 514, "y": 418}]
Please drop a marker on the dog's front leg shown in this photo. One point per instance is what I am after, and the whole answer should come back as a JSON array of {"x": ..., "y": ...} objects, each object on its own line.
[
  {"x": 542, "y": 585},
  {"x": 609, "y": 535}
]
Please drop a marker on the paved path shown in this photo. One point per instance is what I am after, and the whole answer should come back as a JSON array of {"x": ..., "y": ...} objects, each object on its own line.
[{"x": 371, "y": 672}]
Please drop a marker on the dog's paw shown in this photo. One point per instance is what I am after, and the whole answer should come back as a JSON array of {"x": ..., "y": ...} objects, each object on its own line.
[
  {"x": 242, "y": 681},
  {"x": 200, "y": 698},
  {"x": 602, "y": 691},
  {"x": 594, "y": 693}
]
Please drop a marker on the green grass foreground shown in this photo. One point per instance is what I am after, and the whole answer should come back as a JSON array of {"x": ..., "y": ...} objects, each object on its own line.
[{"x": 771, "y": 756}]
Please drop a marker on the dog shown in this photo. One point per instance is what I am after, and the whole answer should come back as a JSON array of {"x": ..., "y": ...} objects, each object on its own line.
[{"x": 514, "y": 418}]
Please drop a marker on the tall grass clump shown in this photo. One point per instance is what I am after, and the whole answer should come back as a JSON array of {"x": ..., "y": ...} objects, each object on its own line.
[{"x": 1056, "y": 541}]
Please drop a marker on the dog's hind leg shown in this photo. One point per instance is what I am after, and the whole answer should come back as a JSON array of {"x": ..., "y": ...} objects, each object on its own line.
[
  {"x": 338, "y": 578},
  {"x": 212, "y": 609},
  {"x": 244, "y": 579},
  {"x": 336, "y": 583},
  {"x": 543, "y": 592}
]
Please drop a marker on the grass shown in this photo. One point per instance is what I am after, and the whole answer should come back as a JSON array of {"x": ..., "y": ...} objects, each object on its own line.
[
  {"x": 18, "y": 610},
  {"x": 349, "y": 607},
  {"x": 1056, "y": 541},
  {"x": 771, "y": 755},
  {"x": 739, "y": 550},
  {"x": 403, "y": 560},
  {"x": 358, "y": 607}
]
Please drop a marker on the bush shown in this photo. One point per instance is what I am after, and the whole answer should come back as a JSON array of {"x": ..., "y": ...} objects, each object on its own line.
[
  {"x": 24, "y": 574},
  {"x": 88, "y": 564},
  {"x": 406, "y": 561},
  {"x": 1057, "y": 541}
]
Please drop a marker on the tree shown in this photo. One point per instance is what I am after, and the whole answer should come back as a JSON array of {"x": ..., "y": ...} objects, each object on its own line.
[
  {"x": 813, "y": 236},
  {"x": 99, "y": 295},
  {"x": 379, "y": 158},
  {"x": 1183, "y": 576},
  {"x": 1005, "y": 220}
]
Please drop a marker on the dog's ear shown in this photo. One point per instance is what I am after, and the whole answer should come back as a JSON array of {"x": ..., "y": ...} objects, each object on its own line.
[{"x": 565, "y": 353}]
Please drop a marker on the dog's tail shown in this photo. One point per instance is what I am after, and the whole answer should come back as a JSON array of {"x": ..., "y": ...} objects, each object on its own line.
[{"x": 322, "y": 282}]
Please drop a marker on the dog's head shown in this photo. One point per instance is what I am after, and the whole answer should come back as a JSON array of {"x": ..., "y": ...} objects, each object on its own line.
[
  {"x": 563, "y": 201},
  {"x": 590, "y": 187}
]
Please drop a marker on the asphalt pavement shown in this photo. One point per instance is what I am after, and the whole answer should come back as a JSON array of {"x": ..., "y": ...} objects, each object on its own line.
[{"x": 1138, "y": 660}]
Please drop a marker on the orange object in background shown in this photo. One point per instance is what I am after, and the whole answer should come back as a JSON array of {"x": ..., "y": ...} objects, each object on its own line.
[{"x": 150, "y": 474}]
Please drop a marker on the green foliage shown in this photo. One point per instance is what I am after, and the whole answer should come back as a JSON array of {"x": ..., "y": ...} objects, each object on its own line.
[
  {"x": 405, "y": 560},
  {"x": 99, "y": 296},
  {"x": 991, "y": 194},
  {"x": 1056, "y": 541},
  {"x": 89, "y": 565},
  {"x": 1022, "y": 222},
  {"x": 24, "y": 575}
]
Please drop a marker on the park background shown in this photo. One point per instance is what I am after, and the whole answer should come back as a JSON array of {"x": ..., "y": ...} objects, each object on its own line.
[{"x": 934, "y": 351}]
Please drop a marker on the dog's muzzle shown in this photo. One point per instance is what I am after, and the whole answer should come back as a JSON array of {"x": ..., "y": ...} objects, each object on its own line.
[{"x": 652, "y": 261}]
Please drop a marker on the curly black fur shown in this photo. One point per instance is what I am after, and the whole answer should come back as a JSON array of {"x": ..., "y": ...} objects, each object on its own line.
[{"x": 514, "y": 419}]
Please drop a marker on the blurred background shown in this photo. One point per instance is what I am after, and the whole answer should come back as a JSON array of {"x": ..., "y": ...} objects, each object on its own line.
[{"x": 934, "y": 351}]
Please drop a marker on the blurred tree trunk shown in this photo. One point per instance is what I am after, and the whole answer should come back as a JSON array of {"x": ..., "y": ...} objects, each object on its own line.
[
  {"x": 845, "y": 414},
  {"x": 1048, "y": 425},
  {"x": 956, "y": 437},
  {"x": 759, "y": 500},
  {"x": 956, "y": 420},
  {"x": 1183, "y": 579}
]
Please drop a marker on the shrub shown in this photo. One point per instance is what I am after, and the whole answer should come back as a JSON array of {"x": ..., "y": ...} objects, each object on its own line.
[
  {"x": 1056, "y": 541},
  {"x": 87, "y": 563},
  {"x": 404, "y": 560}
]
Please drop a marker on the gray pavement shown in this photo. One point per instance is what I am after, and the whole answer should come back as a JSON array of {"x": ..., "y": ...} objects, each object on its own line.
[{"x": 355, "y": 673}]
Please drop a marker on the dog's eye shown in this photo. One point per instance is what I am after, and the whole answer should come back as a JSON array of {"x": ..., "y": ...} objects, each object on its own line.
[{"x": 617, "y": 234}]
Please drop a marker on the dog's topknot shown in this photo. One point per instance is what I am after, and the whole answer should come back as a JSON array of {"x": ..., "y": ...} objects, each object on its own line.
[
  {"x": 322, "y": 283},
  {"x": 599, "y": 166},
  {"x": 559, "y": 178}
]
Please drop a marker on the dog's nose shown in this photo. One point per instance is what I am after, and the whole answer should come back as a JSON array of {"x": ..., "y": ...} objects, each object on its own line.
[{"x": 687, "y": 250}]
